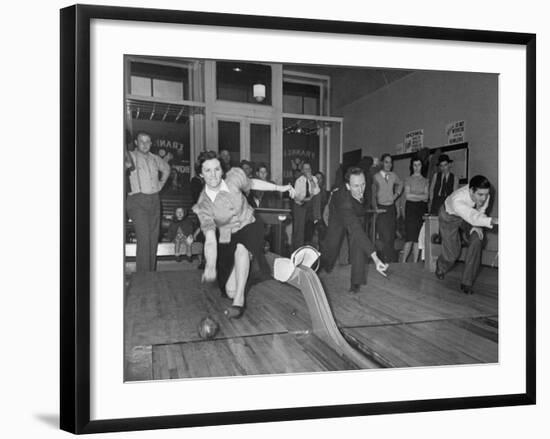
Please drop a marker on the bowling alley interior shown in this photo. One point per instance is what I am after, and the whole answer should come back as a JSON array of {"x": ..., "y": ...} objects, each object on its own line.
[{"x": 272, "y": 120}]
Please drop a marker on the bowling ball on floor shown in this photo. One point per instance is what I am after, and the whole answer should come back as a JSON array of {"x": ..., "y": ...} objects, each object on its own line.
[{"x": 207, "y": 328}]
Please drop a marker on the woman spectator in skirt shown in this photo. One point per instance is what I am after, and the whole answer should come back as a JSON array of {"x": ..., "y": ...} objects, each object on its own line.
[
  {"x": 416, "y": 196},
  {"x": 231, "y": 230}
]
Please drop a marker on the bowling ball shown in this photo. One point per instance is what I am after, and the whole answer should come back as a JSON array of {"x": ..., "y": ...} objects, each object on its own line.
[
  {"x": 207, "y": 328},
  {"x": 436, "y": 238}
]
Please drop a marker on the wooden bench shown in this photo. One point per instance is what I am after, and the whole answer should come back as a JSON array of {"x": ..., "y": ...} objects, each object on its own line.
[{"x": 163, "y": 249}]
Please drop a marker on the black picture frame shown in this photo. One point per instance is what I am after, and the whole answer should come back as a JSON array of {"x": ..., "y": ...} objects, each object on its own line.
[{"x": 75, "y": 217}]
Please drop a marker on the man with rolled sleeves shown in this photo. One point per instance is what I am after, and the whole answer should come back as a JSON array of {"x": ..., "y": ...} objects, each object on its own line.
[
  {"x": 386, "y": 187},
  {"x": 464, "y": 211},
  {"x": 143, "y": 202},
  {"x": 347, "y": 214}
]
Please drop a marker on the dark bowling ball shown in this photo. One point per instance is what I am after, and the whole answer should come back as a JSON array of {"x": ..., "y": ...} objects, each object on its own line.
[
  {"x": 436, "y": 238},
  {"x": 207, "y": 328}
]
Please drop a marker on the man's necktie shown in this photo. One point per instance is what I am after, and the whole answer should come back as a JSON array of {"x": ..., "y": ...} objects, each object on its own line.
[{"x": 307, "y": 189}]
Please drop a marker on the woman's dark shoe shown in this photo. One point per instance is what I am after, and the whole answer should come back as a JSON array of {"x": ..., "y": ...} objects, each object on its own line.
[
  {"x": 466, "y": 289},
  {"x": 234, "y": 312},
  {"x": 439, "y": 273}
]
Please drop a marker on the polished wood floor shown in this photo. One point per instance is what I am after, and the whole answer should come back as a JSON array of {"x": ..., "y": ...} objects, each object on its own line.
[
  {"x": 410, "y": 319},
  {"x": 413, "y": 319}
]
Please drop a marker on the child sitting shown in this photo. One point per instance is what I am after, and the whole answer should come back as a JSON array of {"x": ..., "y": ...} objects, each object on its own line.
[{"x": 183, "y": 232}]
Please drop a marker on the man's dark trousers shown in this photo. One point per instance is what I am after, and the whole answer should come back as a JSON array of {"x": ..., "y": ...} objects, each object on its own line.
[
  {"x": 302, "y": 219},
  {"x": 449, "y": 229},
  {"x": 144, "y": 211},
  {"x": 360, "y": 246},
  {"x": 385, "y": 227}
]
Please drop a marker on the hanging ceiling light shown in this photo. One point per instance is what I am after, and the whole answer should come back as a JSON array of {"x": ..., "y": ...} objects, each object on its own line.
[{"x": 259, "y": 92}]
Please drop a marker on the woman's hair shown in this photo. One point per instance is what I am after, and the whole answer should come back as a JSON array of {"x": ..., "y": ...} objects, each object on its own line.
[
  {"x": 416, "y": 158},
  {"x": 197, "y": 165},
  {"x": 204, "y": 156},
  {"x": 479, "y": 182}
]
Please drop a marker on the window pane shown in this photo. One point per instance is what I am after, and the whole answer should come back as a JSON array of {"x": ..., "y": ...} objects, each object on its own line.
[
  {"x": 235, "y": 82},
  {"x": 171, "y": 141},
  {"x": 140, "y": 86},
  {"x": 300, "y": 144},
  {"x": 260, "y": 144},
  {"x": 229, "y": 138},
  {"x": 292, "y": 104},
  {"x": 167, "y": 89},
  {"x": 301, "y": 98},
  {"x": 311, "y": 105},
  {"x": 169, "y": 82}
]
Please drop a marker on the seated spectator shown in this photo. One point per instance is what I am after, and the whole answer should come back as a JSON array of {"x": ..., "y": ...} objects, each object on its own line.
[{"x": 183, "y": 232}]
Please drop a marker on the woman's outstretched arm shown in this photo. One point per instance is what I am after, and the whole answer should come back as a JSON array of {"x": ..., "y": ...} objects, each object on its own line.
[
  {"x": 211, "y": 255},
  {"x": 261, "y": 185}
]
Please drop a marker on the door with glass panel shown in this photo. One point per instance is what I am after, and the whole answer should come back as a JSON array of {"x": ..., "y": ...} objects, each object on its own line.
[{"x": 245, "y": 138}]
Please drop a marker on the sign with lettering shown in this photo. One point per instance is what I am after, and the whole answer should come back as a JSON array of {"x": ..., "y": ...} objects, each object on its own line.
[
  {"x": 171, "y": 142},
  {"x": 296, "y": 151},
  {"x": 456, "y": 132},
  {"x": 414, "y": 140}
]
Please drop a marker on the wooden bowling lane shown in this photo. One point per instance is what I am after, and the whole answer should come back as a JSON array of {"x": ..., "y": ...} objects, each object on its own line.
[
  {"x": 409, "y": 294},
  {"x": 252, "y": 355},
  {"x": 164, "y": 308},
  {"x": 413, "y": 319},
  {"x": 435, "y": 343}
]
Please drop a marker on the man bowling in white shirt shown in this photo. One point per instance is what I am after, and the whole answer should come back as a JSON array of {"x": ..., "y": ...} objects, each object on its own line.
[{"x": 464, "y": 210}]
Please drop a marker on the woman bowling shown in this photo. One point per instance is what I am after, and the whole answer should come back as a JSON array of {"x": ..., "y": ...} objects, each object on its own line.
[{"x": 231, "y": 231}]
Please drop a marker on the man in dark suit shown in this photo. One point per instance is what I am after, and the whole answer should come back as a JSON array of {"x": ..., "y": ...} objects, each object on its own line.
[{"x": 347, "y": 213}]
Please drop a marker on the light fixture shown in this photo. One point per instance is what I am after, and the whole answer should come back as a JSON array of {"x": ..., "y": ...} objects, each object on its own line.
[
  {"x": 259, "y": 92},
  {"x": 237, "y": 69}
]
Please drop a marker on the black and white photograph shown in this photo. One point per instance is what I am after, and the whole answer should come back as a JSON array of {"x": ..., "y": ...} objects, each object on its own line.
[
  {"x": 272, "y": 219},
  {"x": 294, "y": 218},
  {"x": 275, "y": 219}
]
